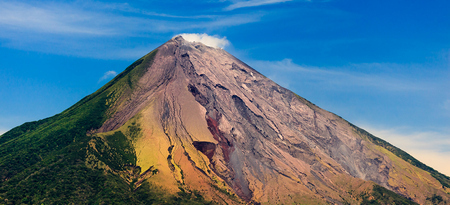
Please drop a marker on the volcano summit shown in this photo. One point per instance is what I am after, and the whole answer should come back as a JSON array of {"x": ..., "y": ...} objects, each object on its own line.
[{"x": 191, "y": 124}]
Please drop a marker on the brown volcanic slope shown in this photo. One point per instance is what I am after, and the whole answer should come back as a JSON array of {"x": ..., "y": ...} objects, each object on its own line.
[
  {"x": 194, "y": 118},
  {"x": 211, "y": 123}
]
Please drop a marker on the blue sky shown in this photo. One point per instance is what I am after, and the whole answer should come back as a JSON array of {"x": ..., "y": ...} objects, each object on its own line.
[{"x": 382, "y": 65}]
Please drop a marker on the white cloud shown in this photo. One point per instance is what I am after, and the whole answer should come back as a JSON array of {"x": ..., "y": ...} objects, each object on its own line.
[
  {"x": 252, "y": 3},
  {"x": 338, "y": 77},
  {"x": 98, "y": 20},
  {"x": 3, "y": 131},
  {"x": 432, "y": 148},
  {"x": 126, "y": 7},
  {"x": 107, "y": 75},
  {"x": 213, "y": 41},
  {"x": 97, "y": 30},
  {"x": 54, "y": 18},
  {"x": 229, "y": 20}
]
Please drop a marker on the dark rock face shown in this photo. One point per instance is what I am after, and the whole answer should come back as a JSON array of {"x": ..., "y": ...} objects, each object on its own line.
[
  {"x": 261, "y": 139},
  {"x": 207, "y": 148}
]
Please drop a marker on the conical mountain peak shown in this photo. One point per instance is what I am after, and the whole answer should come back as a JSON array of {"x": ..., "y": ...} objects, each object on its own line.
[
  {"x": 194, "y": 118},
  {"x": 178, "y": 38},
  {"x": 199, "y": 40}
]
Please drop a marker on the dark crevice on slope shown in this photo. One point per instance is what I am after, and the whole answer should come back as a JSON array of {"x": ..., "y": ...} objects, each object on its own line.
[
  {"x": 254, "y": 120},
  {"x": 207, "y": 148}
]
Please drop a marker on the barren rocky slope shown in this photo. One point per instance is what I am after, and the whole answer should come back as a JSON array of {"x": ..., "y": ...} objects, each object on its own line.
[
  {"x": 192, "y": 117},
  {"x": 261, "y": 139}
]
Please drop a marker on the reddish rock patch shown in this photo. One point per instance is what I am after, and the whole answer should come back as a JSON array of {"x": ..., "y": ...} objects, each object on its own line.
[{"x": 226, "y": 145}]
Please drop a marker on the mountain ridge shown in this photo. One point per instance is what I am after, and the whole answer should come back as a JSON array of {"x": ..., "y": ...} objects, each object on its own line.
[{"x": 192, "y": 124}]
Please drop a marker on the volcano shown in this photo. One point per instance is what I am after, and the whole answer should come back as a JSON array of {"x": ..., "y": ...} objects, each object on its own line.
[{"x": 191, "y": 124}]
